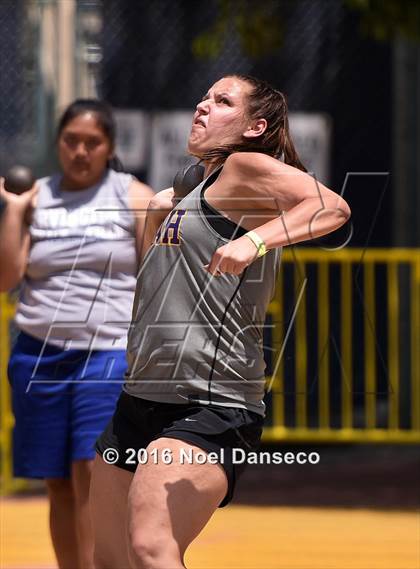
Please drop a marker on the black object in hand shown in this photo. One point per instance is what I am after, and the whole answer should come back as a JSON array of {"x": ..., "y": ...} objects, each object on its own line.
[
  {"x": 187, "y": 179},
  {"x": 19, "y": 179}
]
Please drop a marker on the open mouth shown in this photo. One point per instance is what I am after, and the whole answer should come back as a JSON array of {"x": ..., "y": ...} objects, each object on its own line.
[{"x": 199, "y": 122}]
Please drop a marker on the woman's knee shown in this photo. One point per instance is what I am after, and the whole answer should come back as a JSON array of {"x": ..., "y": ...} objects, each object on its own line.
[{"x": 154, "y": 551}]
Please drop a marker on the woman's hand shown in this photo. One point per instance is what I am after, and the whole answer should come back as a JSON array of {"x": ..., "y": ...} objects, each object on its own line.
[
  {"x": 163, "y": 202},
  {"x": 159, "y": 207},
  {"x": 233, "y": 257},
  {"x": 20, "y": 203},
  {"x": 14, "y": 235}
]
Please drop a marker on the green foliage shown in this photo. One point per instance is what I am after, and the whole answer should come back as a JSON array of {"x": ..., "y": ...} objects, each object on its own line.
[
  {"x": 258, "y": 26},
  {"x": 387, "y": 19}
]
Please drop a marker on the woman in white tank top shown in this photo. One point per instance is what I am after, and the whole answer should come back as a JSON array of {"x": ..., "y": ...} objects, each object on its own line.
[{"x": 72, "y": 243}]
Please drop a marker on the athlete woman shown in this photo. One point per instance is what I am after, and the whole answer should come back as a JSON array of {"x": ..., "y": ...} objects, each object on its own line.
[{"x": 195, "y": 383}]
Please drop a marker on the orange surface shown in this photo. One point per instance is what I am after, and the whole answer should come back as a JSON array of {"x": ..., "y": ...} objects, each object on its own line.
[{"x": 248, "y": 538}]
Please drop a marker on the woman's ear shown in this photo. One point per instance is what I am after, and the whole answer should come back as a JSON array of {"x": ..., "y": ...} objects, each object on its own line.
[{"x": 256, "y": 129}]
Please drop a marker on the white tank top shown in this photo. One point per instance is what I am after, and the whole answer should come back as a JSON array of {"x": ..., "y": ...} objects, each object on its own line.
[{"x": 79, "y": 284}]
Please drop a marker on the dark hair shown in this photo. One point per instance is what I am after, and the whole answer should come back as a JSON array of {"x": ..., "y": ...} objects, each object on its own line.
[
  {"x": 263, "y": 102},
  {"x": 104, "y": 117}
]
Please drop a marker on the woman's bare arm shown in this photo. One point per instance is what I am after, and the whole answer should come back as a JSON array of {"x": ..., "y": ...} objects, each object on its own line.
[
  {"x": 14, "y": 236},
  {"x": 254, "y": 186}
]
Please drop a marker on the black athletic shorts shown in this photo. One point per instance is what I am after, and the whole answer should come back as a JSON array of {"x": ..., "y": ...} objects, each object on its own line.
[{"x": 227, "y": 432}]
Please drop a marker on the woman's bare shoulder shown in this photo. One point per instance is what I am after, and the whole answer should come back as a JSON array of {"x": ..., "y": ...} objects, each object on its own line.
[
  {"x": 252, "y": 172},
  {"x": 254, "y": 163}
]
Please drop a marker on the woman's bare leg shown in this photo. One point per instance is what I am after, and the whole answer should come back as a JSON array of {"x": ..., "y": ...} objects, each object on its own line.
[
  {"x": 62, "y": 522},
  {"x": 108, "y": 505},
  {"x": 80, "y": 475},
  {"x": 169, "y": 505}
]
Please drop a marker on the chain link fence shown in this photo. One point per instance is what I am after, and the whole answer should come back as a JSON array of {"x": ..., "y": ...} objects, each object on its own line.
[{"x": 20, "y": 119}]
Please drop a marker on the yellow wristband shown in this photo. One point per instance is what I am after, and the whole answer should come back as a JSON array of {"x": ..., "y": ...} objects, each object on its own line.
[{"x": 258, "y": 242}]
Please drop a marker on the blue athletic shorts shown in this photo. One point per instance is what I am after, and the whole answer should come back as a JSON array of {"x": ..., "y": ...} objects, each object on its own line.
[{"x": 62, "y": 401}]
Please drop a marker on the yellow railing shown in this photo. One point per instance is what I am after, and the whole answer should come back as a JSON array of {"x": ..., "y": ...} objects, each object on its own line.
[
  {"x": 377, "y": 360},
  {"x": 7, "y": 482},
  {"x": 377, "y": 314}
]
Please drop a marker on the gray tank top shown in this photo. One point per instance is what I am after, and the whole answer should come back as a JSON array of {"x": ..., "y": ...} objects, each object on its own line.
[
  {"x": 195, "y": 337},
  {"x": 79, "y": 285}
]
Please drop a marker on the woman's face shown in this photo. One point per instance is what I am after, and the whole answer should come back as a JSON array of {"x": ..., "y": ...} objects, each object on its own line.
[
  {"x": 220, "y": 118},
  {"x": 83, "y": 151}
]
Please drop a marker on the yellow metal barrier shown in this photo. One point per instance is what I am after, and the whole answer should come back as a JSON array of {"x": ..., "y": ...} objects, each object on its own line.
[
  {"x": 360, "y": 411},
  {"x": 7, "y": 482},
  {"x": 355, "y": 421}
]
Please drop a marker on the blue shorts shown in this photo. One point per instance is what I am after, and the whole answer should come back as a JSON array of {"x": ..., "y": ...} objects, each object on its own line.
[{"x": 62, "y": 401}]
